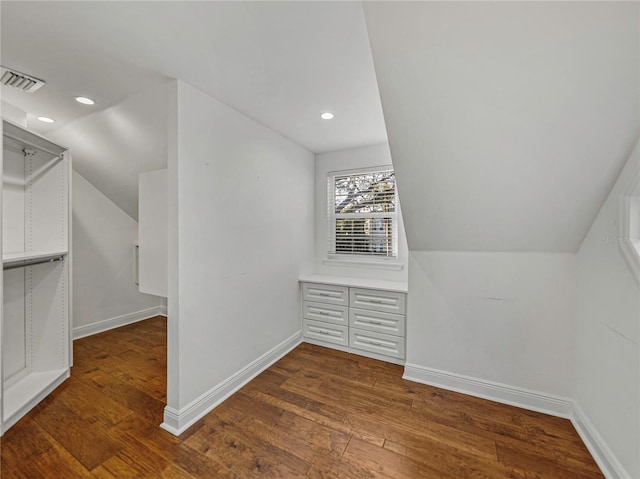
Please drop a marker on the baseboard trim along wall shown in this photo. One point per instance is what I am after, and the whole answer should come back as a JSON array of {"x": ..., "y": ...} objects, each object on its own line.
[
  {"x": 526, "y": 399},
  {"x": 604, "y": 457},
  {"x": 176, "y": 422},
  {"x": 514, "y": 396},
  {"x": 116, "y": 322}
]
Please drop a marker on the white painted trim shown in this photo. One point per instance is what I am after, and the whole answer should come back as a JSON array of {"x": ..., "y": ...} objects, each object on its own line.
[
  {"x": 111, "y": 323},
  {"x": 391, "y": 265},
  {"x": 178, "y": 421},
  {"x": 628, "y": 198},
  {"x": 604, "y": 457},
  {"x": 493, "y": 391}
]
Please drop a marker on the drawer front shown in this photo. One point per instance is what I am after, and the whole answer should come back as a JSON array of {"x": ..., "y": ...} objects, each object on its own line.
[
  {"x": 377, "y": 300},
  {"x": 330, "y": 333},
  {"x": 326, "y": 312},
  {"x": 325, "y": 293},
  {"x": 386, "y": 323},
  {"x": 376, "y": 343}
]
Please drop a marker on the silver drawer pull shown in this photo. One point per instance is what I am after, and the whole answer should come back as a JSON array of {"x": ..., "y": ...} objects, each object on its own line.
[
  {"x": 374, "y": 343},
  {"x": 324, "y": 313},
  {"x": 373, "y": 300},
  {"x": 324, "y": 294},
  {"x": 323, "y": 332}
]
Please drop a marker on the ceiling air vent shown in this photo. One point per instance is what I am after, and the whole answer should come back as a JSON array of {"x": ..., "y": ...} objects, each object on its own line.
[{"x": 19, "y": 80}]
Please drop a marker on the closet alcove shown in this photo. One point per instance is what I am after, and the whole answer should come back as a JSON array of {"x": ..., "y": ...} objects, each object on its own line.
[{"x": 36, "y": 283}]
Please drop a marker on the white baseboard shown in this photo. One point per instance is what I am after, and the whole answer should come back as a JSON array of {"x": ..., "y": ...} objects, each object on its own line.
[
  {"x": 111, "y": 323},
  {"x": 178, "y": 421},
  {"x": 527, "y": 399},
  {"x": 502, "y": 393},
  {"x": 604, "y": 457}
]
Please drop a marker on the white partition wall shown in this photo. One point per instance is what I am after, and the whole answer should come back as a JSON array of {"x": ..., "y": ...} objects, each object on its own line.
[
  {"x": 36, "y": 345},
  {"x": 240, "y": 235}
]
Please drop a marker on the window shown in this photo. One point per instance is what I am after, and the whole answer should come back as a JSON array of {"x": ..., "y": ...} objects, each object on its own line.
[
  {"x": 362, "y": 214},
  {"x": 629, "y": 219}
]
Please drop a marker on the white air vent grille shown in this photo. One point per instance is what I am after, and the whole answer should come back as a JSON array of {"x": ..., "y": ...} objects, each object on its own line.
[{"x": 19, "y": 80}]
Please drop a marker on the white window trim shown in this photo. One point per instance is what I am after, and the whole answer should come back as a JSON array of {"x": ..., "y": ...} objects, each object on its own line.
[
  {"x": 388, "y": 264},
  {"x": 361, "y": 261},
  {"x": 629, "y": 221}
]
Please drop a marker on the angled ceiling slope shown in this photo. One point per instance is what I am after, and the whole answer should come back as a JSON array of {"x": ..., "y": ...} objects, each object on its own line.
[
  {"x": 508, "y": 122},
  {"x": 280, "y": 63}
]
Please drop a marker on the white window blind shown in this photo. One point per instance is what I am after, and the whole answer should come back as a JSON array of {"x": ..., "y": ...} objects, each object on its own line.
[{"x": 362, "y": 214}]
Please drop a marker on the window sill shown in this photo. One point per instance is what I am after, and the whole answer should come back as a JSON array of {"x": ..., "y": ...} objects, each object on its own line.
[
  {"x": 631, "y": 251},
  {"x": 355, "y": 263}
]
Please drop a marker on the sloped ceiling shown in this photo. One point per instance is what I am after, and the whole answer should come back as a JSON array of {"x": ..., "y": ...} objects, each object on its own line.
[
  {"x": 280, "y": 63},
  {"x": 111, "y": 147},
  {"x": 508, "y": 122}
]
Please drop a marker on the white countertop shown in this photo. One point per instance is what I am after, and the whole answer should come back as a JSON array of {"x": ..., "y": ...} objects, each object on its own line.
[{"x": 399, "y": 286}]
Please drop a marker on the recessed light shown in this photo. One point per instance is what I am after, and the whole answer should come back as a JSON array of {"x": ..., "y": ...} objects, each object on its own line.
[
  {"x": 46, "y": 119},
  {"x": 84, "y": 100},
  {"x": 326, "y": 115}
]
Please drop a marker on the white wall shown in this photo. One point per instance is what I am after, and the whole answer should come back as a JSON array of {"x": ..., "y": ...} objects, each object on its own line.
[
  {"x": 500, "y": 317},
  {"x": 241, "y": 230},
  {"x": 608, "y": 333},
  {"x": 352, "y": 158},
  {"x": 104, "y": 292}
]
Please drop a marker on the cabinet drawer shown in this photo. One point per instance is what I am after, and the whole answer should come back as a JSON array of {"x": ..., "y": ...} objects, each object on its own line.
[
  {"x": 330, "y": 333},
  {"x": 386, "y": 301},
  {"x": 326, "y": 312},
  {"x": 325, "y": 293},
  {"x": 387, "y": 323},
  {"x": 376, "y": 343}
]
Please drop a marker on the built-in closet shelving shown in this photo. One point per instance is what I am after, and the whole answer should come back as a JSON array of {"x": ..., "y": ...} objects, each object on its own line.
[{"x": 36, "y": 315}]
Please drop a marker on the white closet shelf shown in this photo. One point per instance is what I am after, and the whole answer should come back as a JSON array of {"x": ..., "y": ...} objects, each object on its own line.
[
  {"x": 35, "y": 319},
  {"x": 23, "y": 395},
  {"x": 30, "y": 255}
]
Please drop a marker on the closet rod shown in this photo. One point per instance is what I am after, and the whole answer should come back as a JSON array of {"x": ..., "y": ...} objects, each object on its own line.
[
  {"x": 33, "y": 262},
  {"x": 35, "y": 145}
]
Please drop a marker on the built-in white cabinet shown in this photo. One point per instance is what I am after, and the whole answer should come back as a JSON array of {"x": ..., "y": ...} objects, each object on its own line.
[
  {"x": 35, "y": 346},
  {"x": 365, "y": 321},
  {"x": 153, "y": 232}
]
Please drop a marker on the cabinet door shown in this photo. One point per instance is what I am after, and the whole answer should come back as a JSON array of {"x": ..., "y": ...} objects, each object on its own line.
[
  {"x": 385, "y": 301},
  {"x": 376, "y": 343},
  {"x": 387, "y": 323},
  {"x": 327, "y": 332},
  {"x": 326, "y": 312},
  {"x": 325, "y": 293},
  {"x": 153, "y": 232}
]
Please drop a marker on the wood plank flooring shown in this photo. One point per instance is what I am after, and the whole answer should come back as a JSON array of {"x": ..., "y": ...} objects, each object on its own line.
[{"x": 317, "y": 413}]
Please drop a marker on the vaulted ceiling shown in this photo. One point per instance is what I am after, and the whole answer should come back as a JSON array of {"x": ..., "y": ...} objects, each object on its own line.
[
  {"x": 280, "y": 63},
  {"x": 508, "y": 122}
]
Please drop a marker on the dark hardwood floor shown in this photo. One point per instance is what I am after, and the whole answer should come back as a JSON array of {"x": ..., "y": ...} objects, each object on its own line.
[{"x": 317, "y": 413}]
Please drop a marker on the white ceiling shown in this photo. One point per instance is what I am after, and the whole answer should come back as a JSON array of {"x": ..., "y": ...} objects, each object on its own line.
[
  {"x": 112, "y": 147},
  {"x": 280, "y": 63},
  {"x": 508, "y": 122}
]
